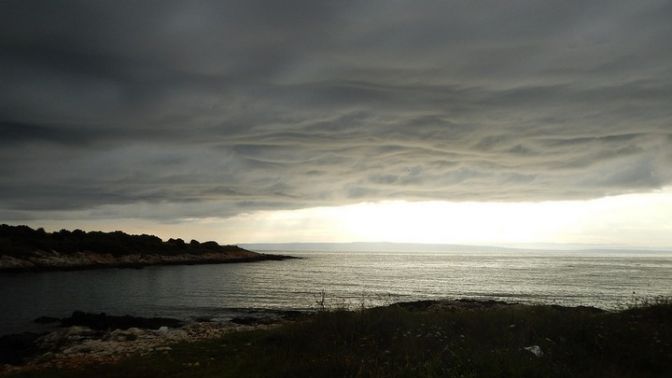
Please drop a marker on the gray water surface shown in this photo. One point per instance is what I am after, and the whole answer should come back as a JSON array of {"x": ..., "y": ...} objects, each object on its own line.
[{"x": 604, "y": 279}]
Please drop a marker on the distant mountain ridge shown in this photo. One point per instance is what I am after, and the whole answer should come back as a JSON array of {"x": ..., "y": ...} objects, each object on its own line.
[
  {"x": 436, "y": 247},
  {"x": 363, "y": 247}
]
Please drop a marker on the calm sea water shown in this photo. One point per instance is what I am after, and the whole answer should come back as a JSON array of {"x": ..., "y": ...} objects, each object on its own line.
[{"x": 604, "y": 279}]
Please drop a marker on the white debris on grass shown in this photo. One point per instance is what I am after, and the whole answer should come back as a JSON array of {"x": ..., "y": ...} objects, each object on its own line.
[{"x": 535, "y": 349}]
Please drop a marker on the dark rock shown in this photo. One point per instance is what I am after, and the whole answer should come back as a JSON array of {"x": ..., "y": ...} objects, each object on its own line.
[
  {"x": 590, "y": 309},
  {"x": 479, "y": 303},
  {"x": 250, "y": 320},
  {"x": 46, "y": 320},
  {"x": 452, "y": 304},
  {"x": 17, "y": 349},
  {"x": 105, "y": 322},
  {"x": 584, "y": 309},
  {"x": 416, "y": 305},
  {"x": 293, "y": 315}
]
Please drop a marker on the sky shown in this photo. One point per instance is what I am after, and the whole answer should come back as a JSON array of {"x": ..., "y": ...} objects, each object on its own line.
[{"x": 264, "y": 121}]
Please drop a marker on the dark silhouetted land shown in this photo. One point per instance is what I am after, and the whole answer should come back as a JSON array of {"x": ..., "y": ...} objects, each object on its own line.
[{"x": 25, "y": 249}]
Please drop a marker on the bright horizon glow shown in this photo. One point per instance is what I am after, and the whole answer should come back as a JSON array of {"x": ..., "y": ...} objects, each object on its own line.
[
  {"x": 626, "y": 220},
  {"x": 633, "y": 220}
]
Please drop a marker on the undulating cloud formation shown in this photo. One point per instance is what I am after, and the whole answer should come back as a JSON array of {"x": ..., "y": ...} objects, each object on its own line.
[{"x": 169, "y": 110}]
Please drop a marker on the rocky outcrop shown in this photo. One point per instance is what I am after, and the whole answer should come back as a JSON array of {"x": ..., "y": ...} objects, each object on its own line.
[
  {"x": 103, "y": 321},
  {"x": 50, "y": 260},
  {"x": 86, "y": 339},
  {"x": 76, "y": 346}
]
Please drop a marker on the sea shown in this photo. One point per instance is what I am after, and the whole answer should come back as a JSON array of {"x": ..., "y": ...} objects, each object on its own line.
[{"x": 605, "y": 279}]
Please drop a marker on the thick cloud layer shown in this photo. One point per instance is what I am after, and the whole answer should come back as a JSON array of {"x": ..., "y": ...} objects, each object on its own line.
[{"x": 210, "y": 108}]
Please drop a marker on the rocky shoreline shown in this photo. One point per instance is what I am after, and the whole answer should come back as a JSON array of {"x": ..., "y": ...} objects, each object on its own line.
[
  {"x": 52, "y": 261},
  {"x": 84, "y": 339}
]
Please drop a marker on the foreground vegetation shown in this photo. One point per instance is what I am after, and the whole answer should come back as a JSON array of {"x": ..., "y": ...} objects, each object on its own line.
[{"x": 425, "y": 339}]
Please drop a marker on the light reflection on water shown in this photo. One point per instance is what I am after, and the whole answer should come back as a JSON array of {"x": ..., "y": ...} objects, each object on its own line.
[{"x": 353, "y": 279}]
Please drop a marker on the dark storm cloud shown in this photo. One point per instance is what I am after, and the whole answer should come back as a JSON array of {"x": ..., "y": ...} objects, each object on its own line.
[{"x": 211, "y": 108}]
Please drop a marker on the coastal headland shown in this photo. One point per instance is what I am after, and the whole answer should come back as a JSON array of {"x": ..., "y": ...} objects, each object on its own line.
[{"x": 25, "y": 249}]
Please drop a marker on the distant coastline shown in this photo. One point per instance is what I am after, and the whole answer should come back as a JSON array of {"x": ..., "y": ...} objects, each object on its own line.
[
  {"x": 442, "y": 247},
  {"x": 23, "y": 249}
]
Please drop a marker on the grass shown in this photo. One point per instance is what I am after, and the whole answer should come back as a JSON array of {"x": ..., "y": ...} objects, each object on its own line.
[{"x": 425, "y": 341}]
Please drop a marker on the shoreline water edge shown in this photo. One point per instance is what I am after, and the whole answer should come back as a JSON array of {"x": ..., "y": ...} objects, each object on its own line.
[{"x": 42, "y": 261}]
